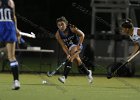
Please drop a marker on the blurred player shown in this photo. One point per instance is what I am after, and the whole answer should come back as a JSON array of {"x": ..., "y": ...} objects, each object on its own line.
[
  {"x": 8, "y": 35},
  {"x": 70, "y": 38},
  {"x": 133, "y": 33}
]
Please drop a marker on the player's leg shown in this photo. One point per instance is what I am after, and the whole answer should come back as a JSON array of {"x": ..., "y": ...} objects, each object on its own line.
[
  {"x": 67, "y": 69},
  {"x": 68, "y": 65},
  {"x": 13, "y": 64},
  {"x": 83, "y": 69}
]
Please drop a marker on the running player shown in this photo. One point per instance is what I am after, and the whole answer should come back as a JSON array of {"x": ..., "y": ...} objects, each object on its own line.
[
  {"x": 70, "y": 38},
  {"x": 8, "y": 35},
  {"x": 133, "y": 33}
]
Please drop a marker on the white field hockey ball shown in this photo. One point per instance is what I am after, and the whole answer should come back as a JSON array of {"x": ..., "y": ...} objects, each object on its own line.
[{"x": 44, "y": 82}]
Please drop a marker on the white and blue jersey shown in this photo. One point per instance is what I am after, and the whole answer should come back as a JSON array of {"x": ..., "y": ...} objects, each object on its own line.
[
  {"x": 7, "y": 25},
  {"x": 135, "y": 37},
  {"x": 69, "y": 39}
]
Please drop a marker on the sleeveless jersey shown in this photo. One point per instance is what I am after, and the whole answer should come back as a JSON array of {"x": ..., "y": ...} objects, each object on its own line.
[
  {"x": 135, "y": 37},
  {"x": 6, "y": 12},
  {"x": 7, "y": 25},
  {"x": 69, "y": 39}
]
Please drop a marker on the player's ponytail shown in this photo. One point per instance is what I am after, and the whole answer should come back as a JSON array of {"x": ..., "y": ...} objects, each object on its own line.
[{"x": 127, "y": 24}]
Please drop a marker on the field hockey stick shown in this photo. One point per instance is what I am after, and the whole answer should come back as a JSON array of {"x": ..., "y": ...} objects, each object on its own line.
[
  {"x": 126, "y": 62},
  {"x": 32, "y": 35},
  {"x": 49, "y": 74}
]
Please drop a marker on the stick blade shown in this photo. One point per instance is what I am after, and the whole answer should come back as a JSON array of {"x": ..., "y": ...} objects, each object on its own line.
[{"x": 49, "y": 74}]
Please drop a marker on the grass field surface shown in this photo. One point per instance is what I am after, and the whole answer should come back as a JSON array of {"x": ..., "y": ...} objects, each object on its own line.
[{"x": 75, "y": 88}]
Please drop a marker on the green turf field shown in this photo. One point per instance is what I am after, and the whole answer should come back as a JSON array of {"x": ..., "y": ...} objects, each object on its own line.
[{"x": 76, "y": 88}]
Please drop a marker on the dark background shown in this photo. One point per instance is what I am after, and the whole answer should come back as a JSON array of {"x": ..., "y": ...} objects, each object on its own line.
[
  {"x": 45, "y": 12},
  {"x": 40, "y": 18}
]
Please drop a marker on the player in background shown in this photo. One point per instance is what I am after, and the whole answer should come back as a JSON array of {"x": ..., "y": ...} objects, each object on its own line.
[{"x": 133, "y": 33}]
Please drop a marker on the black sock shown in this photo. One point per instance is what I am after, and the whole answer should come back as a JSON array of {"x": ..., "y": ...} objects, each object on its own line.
[
  {"x": 14, "y": 69},
  {"x": 15, "y": 73},
  {"x": 67, "y": 68},
  {"x": 83, "y": 69}
]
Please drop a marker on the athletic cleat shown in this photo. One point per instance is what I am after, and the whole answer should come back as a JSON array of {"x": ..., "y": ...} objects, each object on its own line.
[
  {"x": 16, "y": 85},
  {"x": 90, "y": 78},
  {"x": 62, "y": 79}
]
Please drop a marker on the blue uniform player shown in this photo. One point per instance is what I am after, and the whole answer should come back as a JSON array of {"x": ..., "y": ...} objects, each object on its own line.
[
  {"x": 71, "y": 38},
  {"x": 8, "y": 35}
]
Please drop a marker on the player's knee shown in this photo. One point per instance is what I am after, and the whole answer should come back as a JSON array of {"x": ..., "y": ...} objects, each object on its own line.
[
  {"x": 11, "y": 58},
  {"x": 73, "y": 50}
]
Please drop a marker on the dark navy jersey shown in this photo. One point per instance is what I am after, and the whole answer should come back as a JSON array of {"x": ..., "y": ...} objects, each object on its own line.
[
  {"x": 6, "y": 12},
  {"x": 69, "y": 39},
  {"x": 4, "y": 1}
]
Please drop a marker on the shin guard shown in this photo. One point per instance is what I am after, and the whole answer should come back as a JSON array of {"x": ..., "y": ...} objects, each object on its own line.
[
  {"x": 67, "y": 68},
  {"x": 14, "y": 69}
]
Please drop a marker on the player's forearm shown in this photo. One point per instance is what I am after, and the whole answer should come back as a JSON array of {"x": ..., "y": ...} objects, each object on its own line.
[
  {"x": 135, "y": 49},
  {"x": 65, "y": 49}
]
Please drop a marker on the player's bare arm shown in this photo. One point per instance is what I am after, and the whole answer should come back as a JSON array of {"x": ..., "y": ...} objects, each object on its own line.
[
  {"x": 62, "y": 43},
  {"x": 12, "y": 5},
  {"x": 79, "y": 32}
]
